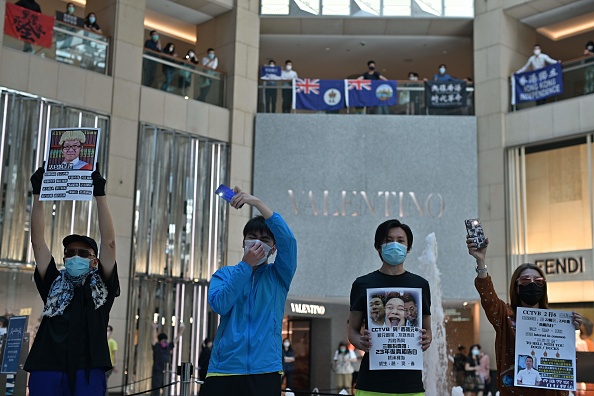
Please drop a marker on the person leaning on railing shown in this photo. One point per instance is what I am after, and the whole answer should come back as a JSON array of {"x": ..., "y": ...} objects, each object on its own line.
[
  {"x": 91, "y": 23},
  {"x": 149, "y": 67}
]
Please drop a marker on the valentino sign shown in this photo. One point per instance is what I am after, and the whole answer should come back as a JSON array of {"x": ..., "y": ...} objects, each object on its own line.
[{"x": 360, "y": 203}]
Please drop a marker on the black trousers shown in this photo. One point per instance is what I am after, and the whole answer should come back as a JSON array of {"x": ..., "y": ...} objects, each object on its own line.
[{"x": 268, "y": 384}]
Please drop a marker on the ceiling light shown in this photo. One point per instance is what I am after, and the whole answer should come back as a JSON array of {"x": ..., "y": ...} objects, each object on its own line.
[
  {"x": 151, "y": 22},
  {"x": 568, "y": 28}
]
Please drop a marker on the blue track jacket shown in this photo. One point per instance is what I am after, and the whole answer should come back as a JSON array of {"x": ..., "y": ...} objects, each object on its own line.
[{"x": 252, "y": 305}]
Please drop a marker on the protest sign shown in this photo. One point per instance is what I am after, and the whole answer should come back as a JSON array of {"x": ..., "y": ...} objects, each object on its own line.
[
  {"x": 70, "y": 159},
  {"x": 445, "y": 94},
  {"x": 545, "y": 349},
  {"x": 537, "y": 84},
  {"x": 395, "y": 333}
]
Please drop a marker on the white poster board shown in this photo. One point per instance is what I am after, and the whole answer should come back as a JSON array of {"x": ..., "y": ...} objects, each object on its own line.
[
  {"x": 395, "y": 333},
  {"x": 70, "y": 159},
  {"x": 545, "y": 349}
]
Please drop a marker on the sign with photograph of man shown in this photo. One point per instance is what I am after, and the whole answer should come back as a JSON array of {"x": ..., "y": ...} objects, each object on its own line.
[
  {"x": 70, "y": 159},
  {"x": 392, "y": 318},
  {"x": 545, "y": 349}
]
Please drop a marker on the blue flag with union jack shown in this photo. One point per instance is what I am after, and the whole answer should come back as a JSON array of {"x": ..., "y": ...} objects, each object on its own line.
[
  {"x": 315, "y": 94},
  {"x": 371, "y": 93}
]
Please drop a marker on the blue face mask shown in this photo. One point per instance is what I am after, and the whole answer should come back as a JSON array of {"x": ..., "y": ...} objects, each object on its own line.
[
  {"x": 211, "y": 55},
  {"x": 393, "y": 253},
  {"x": 77, "y": 266},
  {"x": 442, "y": 70},
  {"x": 92, "y": 19}
]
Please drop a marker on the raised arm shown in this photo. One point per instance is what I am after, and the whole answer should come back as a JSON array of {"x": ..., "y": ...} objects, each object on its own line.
[
  {"x": 41, "y": 251},
  {"x": 242, "y": 198},
  {"x": 106, "y": 229}
]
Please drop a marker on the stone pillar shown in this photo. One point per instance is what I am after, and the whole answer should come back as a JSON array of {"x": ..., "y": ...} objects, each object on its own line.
[{"x": 235, "y": 36}]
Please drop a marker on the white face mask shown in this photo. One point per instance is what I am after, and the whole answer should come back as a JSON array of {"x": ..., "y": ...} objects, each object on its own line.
[
  {"x": 289, "y": 67},
  {"x": 286, "y": 344},
  {"x": 413, "y": 78},
  {"x": 248, "y": 243},
  {"x": 536, "y": 52}
]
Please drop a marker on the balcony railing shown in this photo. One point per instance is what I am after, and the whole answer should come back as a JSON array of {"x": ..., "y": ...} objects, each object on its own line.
[
  {"x": 71, "y": 45},
  {"x": 179, "y": 77},
  {"x": 411, "y": 101},
  {"x": 578, "y": 80}
]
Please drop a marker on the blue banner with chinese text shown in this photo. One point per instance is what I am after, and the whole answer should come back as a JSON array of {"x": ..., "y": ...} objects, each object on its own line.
[{"x": 538, "y": 84}]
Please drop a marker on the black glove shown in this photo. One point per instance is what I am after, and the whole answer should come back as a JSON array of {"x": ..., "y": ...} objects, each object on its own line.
[
  {"x": 36, "y": 180},
  {"x": 98, "y": 184}
]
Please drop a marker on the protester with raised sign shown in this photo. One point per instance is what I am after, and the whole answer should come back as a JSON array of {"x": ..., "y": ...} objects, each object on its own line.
[
  {"x": 393, "y": 241},
  {"x": 247, "y": 352},
  {"x": 372, "y": 74},
  {"x": 528, "y": 288},
  {"x": 270, "y": 89},
  {"x": 70, "y": 354}
]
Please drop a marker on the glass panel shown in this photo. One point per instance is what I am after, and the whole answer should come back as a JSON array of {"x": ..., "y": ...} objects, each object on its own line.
[
  {"x": 275, "y": 7},
  {"x": 71, "y": 45},
  {"x": 558, "y": 198},
  {"x": 336, "y": 7},
  {"x": 432, "y": 7},
  {"x": 311, "y": 6},
  {"x": 24, "y": 122},
  {"x": 182, "y": 78},
  {"x": 397, "y": 7},
  {"x": 179, "y": 223},
  {"x": 459, "y": 8},
  {"x": 373, "y": 7}
]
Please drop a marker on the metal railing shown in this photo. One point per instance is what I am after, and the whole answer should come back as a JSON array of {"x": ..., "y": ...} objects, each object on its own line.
[
  {"x": 578, "y": 80},
  {"x": 177, "y": 76},
  {"x": 411, "y": 101},
  {"x": 71, "y": 45}
]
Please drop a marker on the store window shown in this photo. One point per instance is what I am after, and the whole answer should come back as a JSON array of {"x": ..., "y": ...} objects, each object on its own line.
[{"x": 24, "y": 122}]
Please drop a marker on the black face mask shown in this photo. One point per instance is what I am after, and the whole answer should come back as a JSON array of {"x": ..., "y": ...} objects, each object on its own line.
[
  {"x": 372, "y": 68},
  {"x": 531, "y": 294}
]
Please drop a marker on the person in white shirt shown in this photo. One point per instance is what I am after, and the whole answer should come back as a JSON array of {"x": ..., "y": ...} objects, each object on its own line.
[
  {"x": 538, "y": 60},
  {"x": 528, "y": 376},
  {"x": 209, "y": 62},
  {"x": 288, "y": 75}
]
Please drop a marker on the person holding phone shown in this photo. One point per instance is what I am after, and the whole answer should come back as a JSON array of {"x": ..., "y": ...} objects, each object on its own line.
[
  {"x": 250, "y": 299},
  {"x": 528, "y": 288}
]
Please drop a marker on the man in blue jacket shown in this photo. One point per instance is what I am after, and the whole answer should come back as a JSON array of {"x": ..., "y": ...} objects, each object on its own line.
[{"x": 250, "y": 298}]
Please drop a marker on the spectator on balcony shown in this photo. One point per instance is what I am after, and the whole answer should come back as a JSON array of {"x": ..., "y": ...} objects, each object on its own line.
[
  {"x": 185, "y": 76},
  {"x": 589, "y": 72},
  {"x": 538, "y": 60},
  {"x": 270, "y": 90},
  {"x": 589, "y": 50},
  {"x": 168, "y": 71},
  {"x": 288, "y": 75},
  {"x": 210, "y": 62},
  {"x": 373, "y": 74},
  {"x": 149, "y": 67},
  {"x": 33, "y": 6},
  {"x": 91, "y": 23}
]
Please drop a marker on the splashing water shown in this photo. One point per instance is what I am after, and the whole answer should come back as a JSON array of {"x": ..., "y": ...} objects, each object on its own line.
[{"x": 435, "y": 361}]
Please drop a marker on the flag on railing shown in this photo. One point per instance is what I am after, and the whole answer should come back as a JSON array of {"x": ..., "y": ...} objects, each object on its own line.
[
  {"x": 537, "y": 84},
  {"x": 28, "y": 26},
  {"x": 370, "y": 93},
  {"x": 315, "y": 94},
  {"x": 445, "y": 94}
]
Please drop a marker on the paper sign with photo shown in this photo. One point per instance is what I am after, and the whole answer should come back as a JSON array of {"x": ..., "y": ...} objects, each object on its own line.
[
  {"x": 545, "y": 349},
  {"x": 394, "y": 320},
  {"x": 70, "y": 159}
]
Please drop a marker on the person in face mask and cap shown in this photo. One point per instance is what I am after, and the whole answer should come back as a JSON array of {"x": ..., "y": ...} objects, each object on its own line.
[
  {"x": 250, "y": 299},
  {"x": 393, "y": 241},
  {"x": 528, "y": 288},
  {"x": 70, "y": 354}
]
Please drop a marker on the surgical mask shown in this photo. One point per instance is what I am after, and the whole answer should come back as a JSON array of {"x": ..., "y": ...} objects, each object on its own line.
[
  {"x": 155, "y": 37},
  {"x": 393, "y": 253},
  {"x": 286, "y": 344},
  {"x": 211, "y": 55},
  {"x": 476, "y": 352},
  {"x": 92, "y": 19},
  {"x": 191, "y": 55},
  {"x": 77, "y": 266},
  {"x": 413, "y": 78},
  {"x": 250, "y": 242},
  {"x": 531, "y": 294},
  {"x": 289, "y": 67},
  {"x": 342, "y": 350},
  {"x": 442, "y": 70},
  {"x": 271, "y": 64},
  {"x": 536, "y": 52},
  {"x": 590, "y": 48},
  {"x": 70, "y": 10}
]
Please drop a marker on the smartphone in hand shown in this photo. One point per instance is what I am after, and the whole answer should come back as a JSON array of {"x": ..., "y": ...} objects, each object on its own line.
[
  {"x": 225, "y": 192},
  {"x": 474, "y": 230}
]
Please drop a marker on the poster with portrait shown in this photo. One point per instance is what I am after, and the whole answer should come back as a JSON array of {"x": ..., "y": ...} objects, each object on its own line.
[
  {"x": 394, "y": 319},
  {"x": 70, "y": 159},
  {"x": 545, "y": 349}
]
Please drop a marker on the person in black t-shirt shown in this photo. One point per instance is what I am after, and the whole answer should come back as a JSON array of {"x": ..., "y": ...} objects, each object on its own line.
[
  {"x": 373, "y": 74},
  {"x": 393, "y": 240},
  {"x": 70, "y": 354}
]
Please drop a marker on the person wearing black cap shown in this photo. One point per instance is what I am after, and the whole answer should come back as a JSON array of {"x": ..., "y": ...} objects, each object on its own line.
[{"x": 70, "y": 354}]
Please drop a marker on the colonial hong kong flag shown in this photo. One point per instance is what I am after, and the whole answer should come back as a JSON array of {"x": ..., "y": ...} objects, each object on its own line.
[
  {"x": 315, "y": 94},
  {"x": 362, "y": 93},
  {"x": 28, "y": 26}
]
